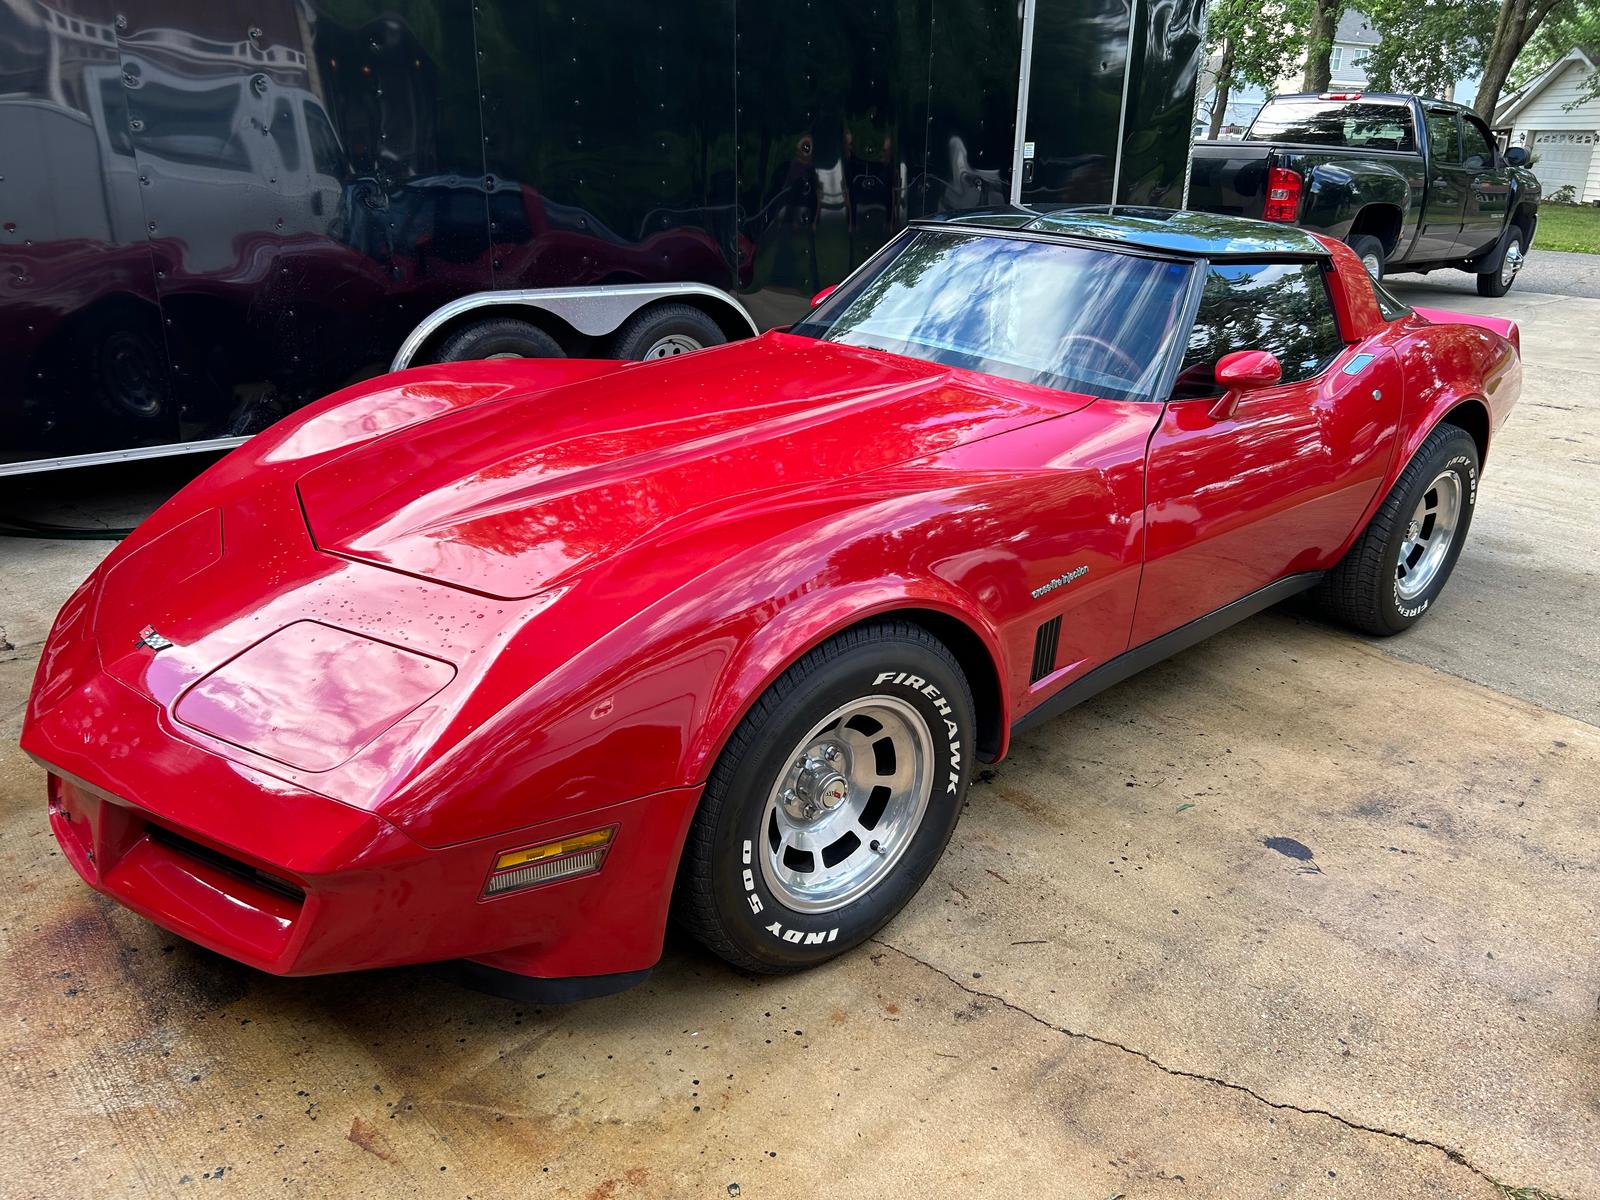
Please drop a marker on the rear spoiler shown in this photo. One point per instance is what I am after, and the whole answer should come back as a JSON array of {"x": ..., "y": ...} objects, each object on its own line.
[{"x": 1506, "y": 329}]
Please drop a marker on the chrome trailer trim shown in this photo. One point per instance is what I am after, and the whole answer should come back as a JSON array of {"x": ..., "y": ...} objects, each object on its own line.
[
  {"x": 1019, "y": 154},
  {"x": 102, "y": 457},
  {"x": 592, "y": 311}
]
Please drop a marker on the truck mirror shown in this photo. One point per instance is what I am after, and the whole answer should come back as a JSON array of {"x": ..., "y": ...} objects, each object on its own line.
[{"x": 1517, "y": 156}]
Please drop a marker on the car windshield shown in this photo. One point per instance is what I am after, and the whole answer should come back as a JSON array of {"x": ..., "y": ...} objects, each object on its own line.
[
  {"x": 1076, "y": 318},
  {"x": 1358, "y": 124}
]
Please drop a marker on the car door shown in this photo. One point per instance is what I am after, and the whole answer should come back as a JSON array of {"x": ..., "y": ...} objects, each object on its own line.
[
  {"x": 1449, "y": 181},
  {"x": 1488, "y": 189},
  {"x": 1237, "y": 502}
]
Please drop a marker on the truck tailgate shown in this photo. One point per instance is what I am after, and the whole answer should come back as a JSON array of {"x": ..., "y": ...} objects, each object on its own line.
[{"x": 1230, "y": 177}]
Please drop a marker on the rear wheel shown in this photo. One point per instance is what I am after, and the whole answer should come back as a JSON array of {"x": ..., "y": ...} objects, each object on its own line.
[
  {"x": 497, "y": 337},
  {"x": 1498, "y": 282},
  {"x": 1403, "y": 559},
  {"x": 665, "y": 330},
  {"x": 832, "y": 801},
  {"x": 1370, "y": 251}
]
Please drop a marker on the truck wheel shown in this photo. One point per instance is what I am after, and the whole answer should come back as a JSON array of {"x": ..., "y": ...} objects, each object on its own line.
[
  {"x": 1403, "y": 559},
  {"x": 1498, "y": 283},
  {"x": 663, "y": 330},
  {"x": 497, "y": 337},
  {"x": 1370, "y": 251},
  {"x": 832, "y": 801}
]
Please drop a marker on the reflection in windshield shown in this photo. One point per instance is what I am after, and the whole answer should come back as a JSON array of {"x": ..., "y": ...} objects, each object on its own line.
[{"x": 1085, "y": 320}]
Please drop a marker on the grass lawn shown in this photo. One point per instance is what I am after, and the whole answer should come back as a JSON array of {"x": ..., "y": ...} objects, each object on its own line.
[{"x": 1568, "y": 227}]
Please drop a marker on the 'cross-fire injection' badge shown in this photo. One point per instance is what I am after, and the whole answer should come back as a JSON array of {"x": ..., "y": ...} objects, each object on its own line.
[
  {"x": 1061, "y": 581},
  {"x": 149, "y": 637}
]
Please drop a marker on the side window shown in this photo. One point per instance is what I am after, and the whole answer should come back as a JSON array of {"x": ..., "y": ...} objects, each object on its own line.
[
  {"x": 1479, "y": 153},
  {"x": 1283, "y": 308},
  {"x": 1444, "y": 136}
]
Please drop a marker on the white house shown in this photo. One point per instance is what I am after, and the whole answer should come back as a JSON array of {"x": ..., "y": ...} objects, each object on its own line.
[{"x": 1561, "y": 139}]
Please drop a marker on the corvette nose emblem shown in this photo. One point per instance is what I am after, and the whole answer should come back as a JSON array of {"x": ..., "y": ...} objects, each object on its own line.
[{"x": 149, "y": 637}]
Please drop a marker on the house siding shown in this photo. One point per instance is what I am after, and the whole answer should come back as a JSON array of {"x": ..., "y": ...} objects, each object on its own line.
[{"x": 1546, "y": 111}]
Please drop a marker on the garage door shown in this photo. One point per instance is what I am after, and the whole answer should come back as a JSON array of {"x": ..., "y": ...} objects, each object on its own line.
[{"x": 1563, "y": 159}]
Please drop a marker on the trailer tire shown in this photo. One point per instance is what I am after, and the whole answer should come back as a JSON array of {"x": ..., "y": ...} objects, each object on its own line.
[
  {"x": 665, "y": 330},
  {"x": 497, "y": 337}
]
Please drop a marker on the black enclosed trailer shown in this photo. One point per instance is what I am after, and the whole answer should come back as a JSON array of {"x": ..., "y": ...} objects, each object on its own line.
[{"x": 213, "y": 211}]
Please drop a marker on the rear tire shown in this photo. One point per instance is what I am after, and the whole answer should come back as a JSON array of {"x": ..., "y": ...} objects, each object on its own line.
[
  {"x": 1370, "y": 251},
  {"x": 665, "y": 330},
  {"x": 1498, "y": 282},
  {"x": 497, "y": 337},
  {"x": 831, "y": 802},
  {"x": 1404, "y": 557}
]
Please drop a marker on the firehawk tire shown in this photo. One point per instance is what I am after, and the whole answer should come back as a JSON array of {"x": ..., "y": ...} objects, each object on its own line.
[
  {"x": 1403, "y": 559},
  {"x": 832, "y": 801},
  {"x": 498, "y": 337}
]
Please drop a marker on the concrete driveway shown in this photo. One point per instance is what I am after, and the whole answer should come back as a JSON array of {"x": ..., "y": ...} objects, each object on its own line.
[{"x": 1293, "y": 914}]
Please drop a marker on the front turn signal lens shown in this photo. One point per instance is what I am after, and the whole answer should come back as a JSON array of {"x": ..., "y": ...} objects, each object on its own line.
[{"x": 564, "y": 858}]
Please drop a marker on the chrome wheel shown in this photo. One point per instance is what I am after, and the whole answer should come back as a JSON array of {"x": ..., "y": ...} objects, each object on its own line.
[
  {"x": 847, "y": 805},
  {"x": 1512, "y": 263},
  {"x": 1428, "y": 536},
  {"x": 672, "y": 343},
  {"x": 1373, "y": 264}
]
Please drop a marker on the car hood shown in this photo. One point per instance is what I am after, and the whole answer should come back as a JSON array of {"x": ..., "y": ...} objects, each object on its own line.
[{"x": 517, "y": 495}]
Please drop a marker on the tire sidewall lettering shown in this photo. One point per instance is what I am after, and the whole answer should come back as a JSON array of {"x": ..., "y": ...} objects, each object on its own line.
[
  {"x": 1466, "y": 466},
  {"x": 760, "y": 910}
]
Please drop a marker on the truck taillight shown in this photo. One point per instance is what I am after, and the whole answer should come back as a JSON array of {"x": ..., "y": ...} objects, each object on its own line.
[{"x": 1283, "y": 195}]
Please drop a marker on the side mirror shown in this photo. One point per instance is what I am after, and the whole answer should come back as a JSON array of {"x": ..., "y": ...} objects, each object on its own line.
[
  {"x": 1517, "y": 156},
  {"x": 1240, "y": 372},
  {"x": 824, "y": 294}
]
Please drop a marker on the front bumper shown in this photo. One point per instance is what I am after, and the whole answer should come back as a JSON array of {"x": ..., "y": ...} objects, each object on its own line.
[{"x": 296, "y": 883}]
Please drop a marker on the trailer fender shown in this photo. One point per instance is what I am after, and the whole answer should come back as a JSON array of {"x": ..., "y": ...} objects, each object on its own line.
[{"x": 591, "y": 311}]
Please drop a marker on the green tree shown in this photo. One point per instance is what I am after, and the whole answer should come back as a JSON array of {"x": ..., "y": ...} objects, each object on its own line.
[
  {"x": 1323, "y": 16},
  {"x": 1255, "y": 43},
  {"x": 1554, "y": 39},
  {"x": 1427, "y": 46}
]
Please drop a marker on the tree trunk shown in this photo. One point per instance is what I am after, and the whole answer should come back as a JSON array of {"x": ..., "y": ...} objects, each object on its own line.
[
  {"x": 1519, "y": 20},
  {"x": 1219, "y": 99},
  {"x": 1325, "y": 16}
]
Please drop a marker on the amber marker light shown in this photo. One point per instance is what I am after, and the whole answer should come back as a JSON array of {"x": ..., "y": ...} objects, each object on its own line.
[{"x": 564, "y": 858}]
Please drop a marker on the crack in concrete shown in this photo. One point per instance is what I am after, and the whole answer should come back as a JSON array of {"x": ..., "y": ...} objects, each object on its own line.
[{"x": 1453, "y": 1155}]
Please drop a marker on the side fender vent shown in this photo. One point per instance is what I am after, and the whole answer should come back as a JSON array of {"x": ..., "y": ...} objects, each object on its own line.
[{"x": 1044, "y": 649}]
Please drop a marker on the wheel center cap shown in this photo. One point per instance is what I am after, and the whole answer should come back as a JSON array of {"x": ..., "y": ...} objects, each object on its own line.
[
  {"x": 1413, "y": 530},
  {"x": 834, "y": 791}
]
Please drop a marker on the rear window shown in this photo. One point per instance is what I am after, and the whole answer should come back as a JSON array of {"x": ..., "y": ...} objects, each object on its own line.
[
  {"x": 1391, "y": 307},
  {"x": 1358, "y": 124}
]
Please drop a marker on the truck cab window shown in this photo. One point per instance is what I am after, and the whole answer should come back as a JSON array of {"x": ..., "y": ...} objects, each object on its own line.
[
  {"x": 1283, "y": 308},
  {"x": 1444, "y": 135}
]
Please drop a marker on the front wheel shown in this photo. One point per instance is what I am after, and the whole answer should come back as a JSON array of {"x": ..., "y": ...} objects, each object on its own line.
[
  {"x": 832, "y": 801},
  {"x": 1498, "y": 283},
  {"x": 1403, "y": 559}
]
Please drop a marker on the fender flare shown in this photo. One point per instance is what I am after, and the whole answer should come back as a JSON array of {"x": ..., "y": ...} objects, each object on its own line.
[
  {"x": 592, "y": 311},
  {"x": 1439, "y": 409},
  {"x": 799, "y": 629}
]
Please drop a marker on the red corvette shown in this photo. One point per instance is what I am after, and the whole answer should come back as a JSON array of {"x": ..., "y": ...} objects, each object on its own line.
[{"x": 507, "y": 661}]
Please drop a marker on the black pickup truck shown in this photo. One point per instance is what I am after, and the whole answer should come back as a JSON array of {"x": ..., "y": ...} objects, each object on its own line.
[{"x": 1409, "y": 184}]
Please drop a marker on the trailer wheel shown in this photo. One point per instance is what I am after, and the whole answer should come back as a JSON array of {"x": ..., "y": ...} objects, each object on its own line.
[
  {"x": 497, "y": 337},
  {"x": 663, "y": 330},
  {"x": 124, "y": 367}
]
